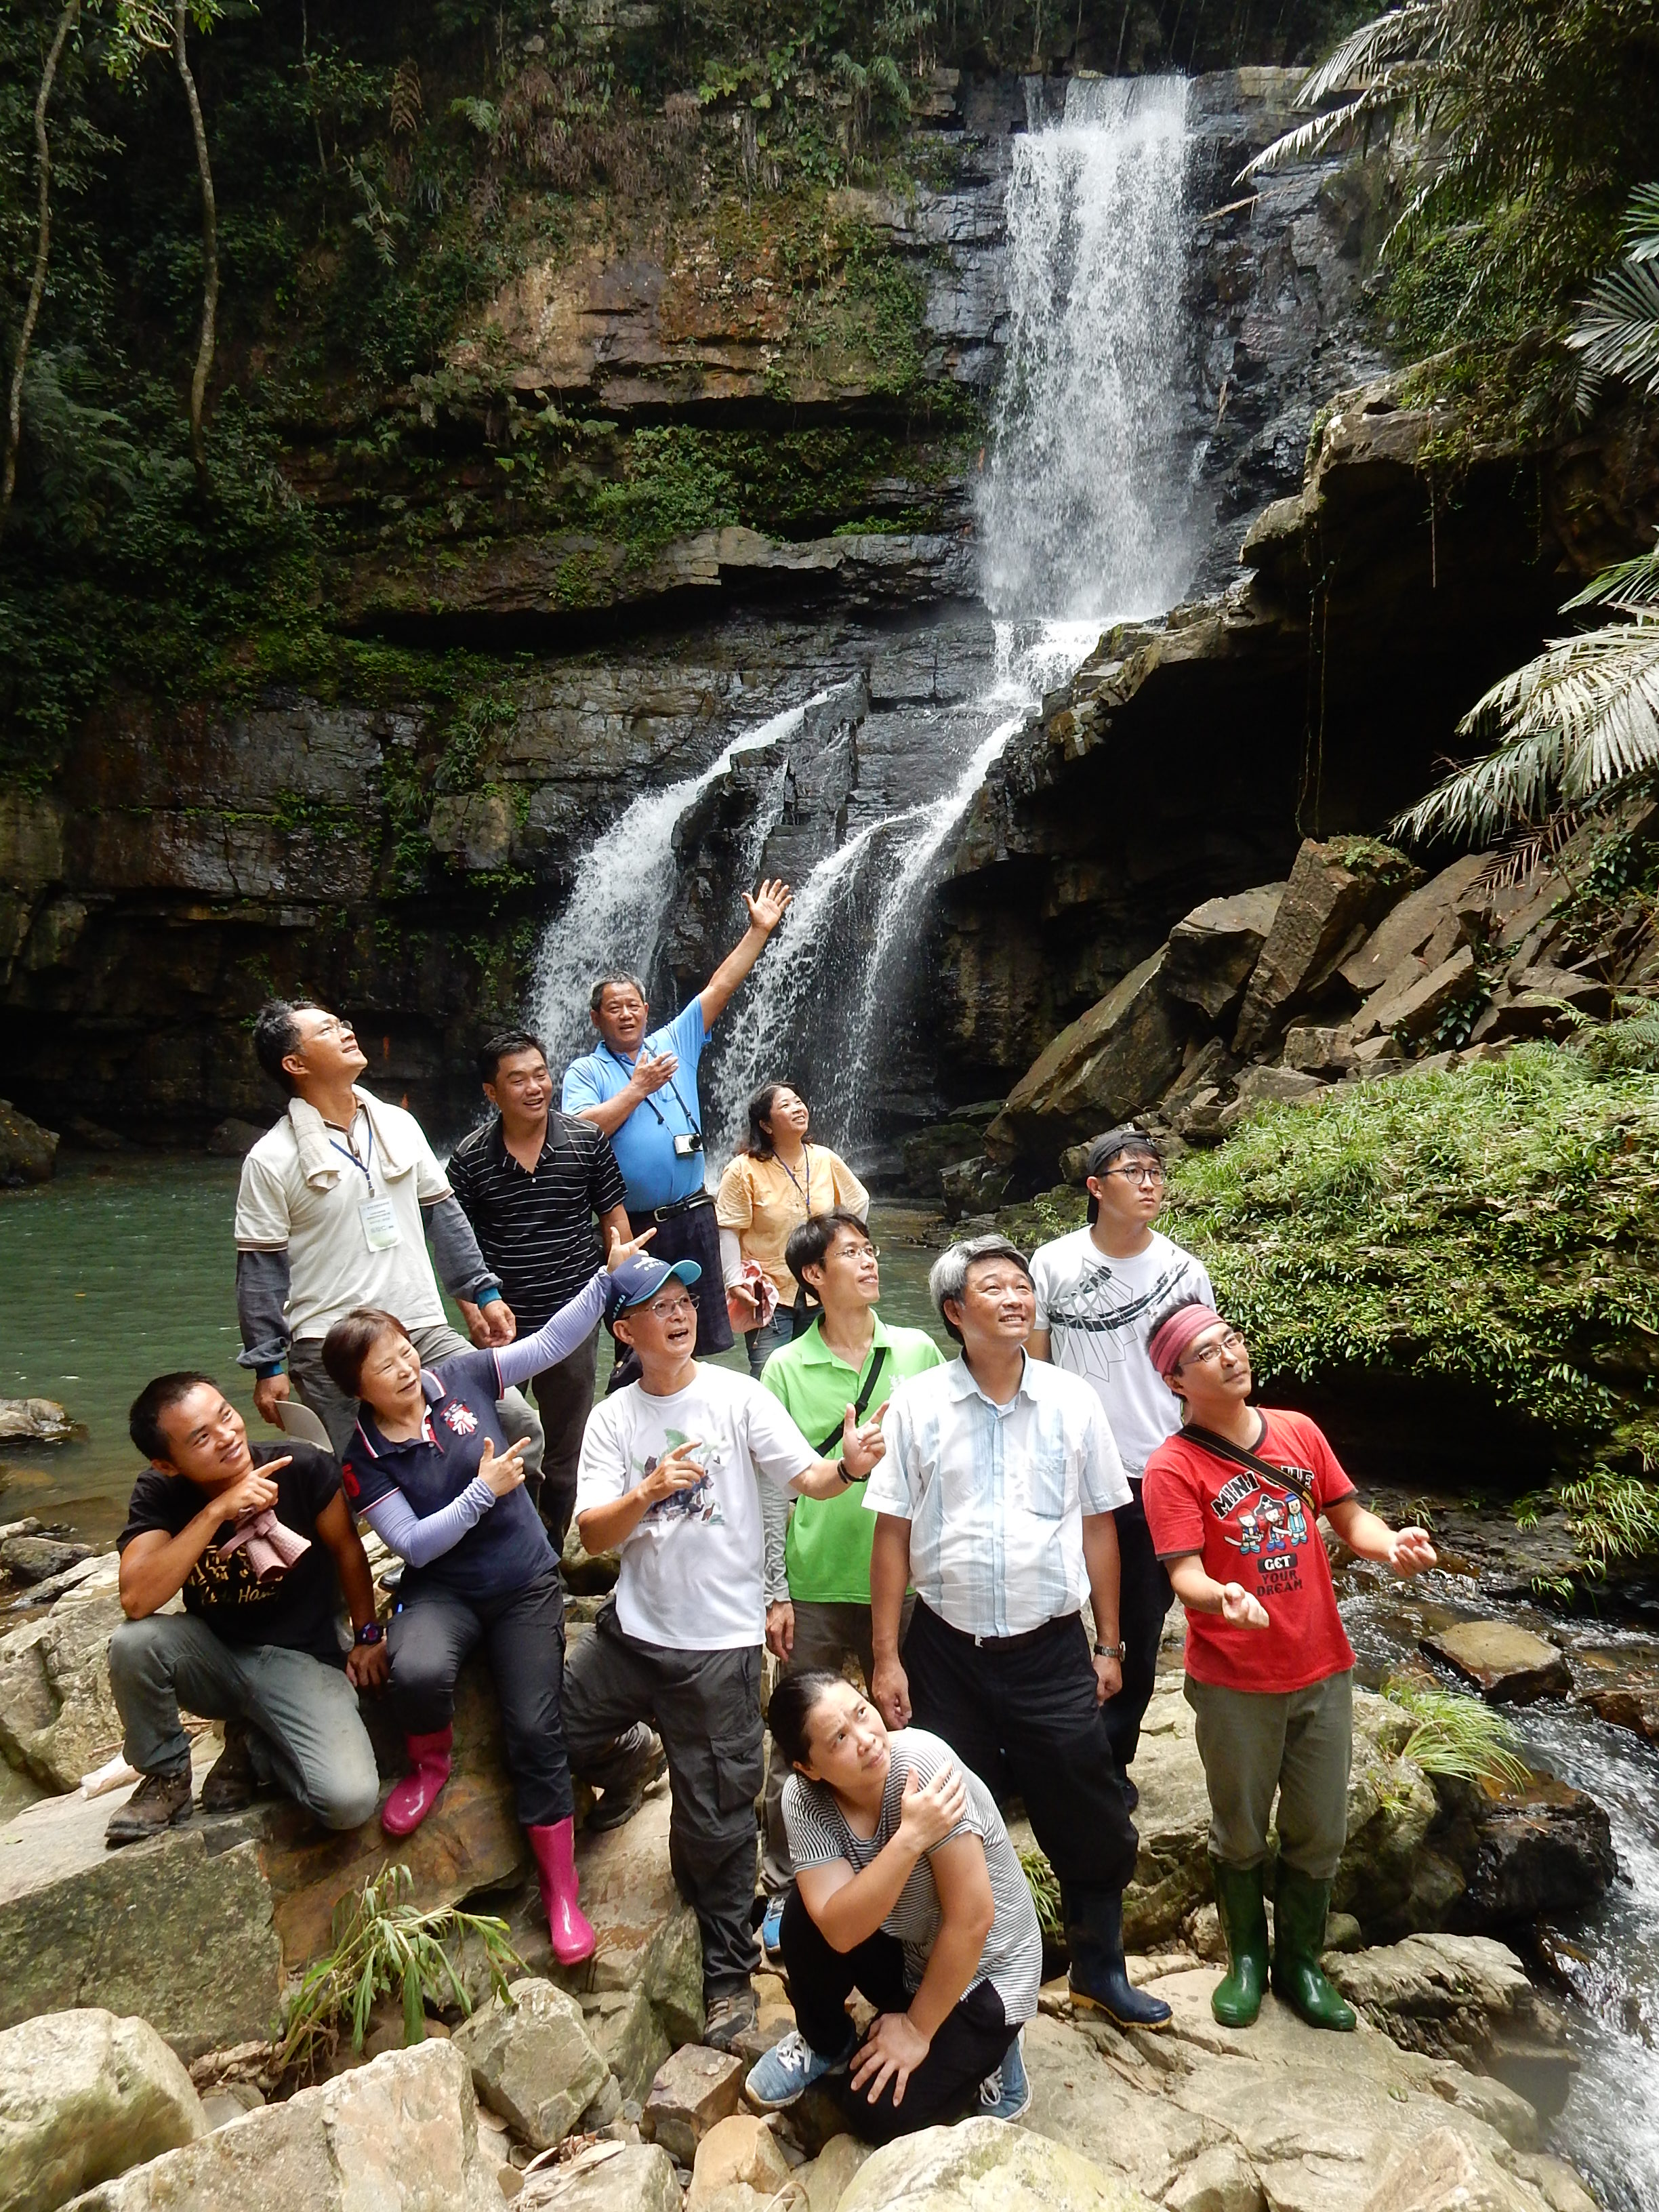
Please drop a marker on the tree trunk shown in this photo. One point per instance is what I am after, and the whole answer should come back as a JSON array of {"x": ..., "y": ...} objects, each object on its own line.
[
  {"x": 66, "y": 23},
  {"x": 209, "y": 251}
]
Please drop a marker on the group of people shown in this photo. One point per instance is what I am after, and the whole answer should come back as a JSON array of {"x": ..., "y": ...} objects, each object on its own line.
[{"x": 917, "y": 1542}]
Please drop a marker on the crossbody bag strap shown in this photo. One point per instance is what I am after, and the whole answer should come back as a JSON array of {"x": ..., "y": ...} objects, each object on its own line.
[
  {"x": 863, "y": 1399},
  {"x": 1224, "y": 1448}
]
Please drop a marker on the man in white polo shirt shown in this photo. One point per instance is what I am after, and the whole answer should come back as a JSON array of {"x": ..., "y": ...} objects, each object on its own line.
[
  {"x": 996, "y": 1497},
  {"x": 336, "y": 1205}
]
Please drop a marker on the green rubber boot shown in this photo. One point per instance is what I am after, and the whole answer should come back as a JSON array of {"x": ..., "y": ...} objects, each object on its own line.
[
  {"x": 1243, "y": 1916},
  {"x": 1299, "y": 1909}
]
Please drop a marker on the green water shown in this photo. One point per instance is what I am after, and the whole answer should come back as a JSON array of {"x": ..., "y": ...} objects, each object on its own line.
[{"x": 123, "y": 1268}]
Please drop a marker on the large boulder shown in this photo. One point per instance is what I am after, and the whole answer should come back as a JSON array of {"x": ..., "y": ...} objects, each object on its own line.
[
  {"x": 400, "y": 2134},
  {"x": 33, "y": 1421},
  {"x": 1508, "y": 1664},
  {"x": 695, "y": 2089},
  {"x": 1104, "y": 1067},
  {"x": 1444, "y": 2172},
  {"x": 532, "y": 2060},
  {"x": 84, "y": 2096},
  {"x": 27, "y": 1152},
  {"x": 984, "y": 2166},
  {"x": 1213, "y": 949},
  {"x": 647, "y": 1935},
  {"x": 1409, "y": 928},
  {"x": 1336, "y": 894},
  {"x": 57, "y": 1718},
  {"x": 608, "y": 2177}
]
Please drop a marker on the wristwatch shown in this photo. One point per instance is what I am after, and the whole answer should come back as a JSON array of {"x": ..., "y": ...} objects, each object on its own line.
[
  {"x": 1118, "y": 1651},
  {"x": 371, "y": 1632}
]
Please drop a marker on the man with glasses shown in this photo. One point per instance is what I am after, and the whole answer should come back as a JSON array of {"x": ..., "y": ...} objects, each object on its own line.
[
  {"x": 639, "y": 1086},
  {"x": 1099, "y": 1290},
  {"x": 668, "y": 1478},
  {"x": 337, "y": 1203},
  {"x": 817, "y": 1552}
]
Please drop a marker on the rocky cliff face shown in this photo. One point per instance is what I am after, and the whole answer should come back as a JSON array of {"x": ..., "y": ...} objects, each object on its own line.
[{"x": 664, "y": 488}]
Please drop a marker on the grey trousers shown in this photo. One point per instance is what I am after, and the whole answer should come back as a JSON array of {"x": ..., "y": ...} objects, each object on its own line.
[
  {"x": 339, "y": 1413},
  {"x": 705, "y": 1706},
  {"x": 825, "y": 1636},
  {"x": 564, "y": 1398},
  {"x": 304, "y": 1730},
  {"x": 1300, "y": 1744}
]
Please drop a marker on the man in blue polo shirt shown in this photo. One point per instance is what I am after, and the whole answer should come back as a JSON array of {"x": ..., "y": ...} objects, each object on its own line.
[{"x": 640, "y": 1086}]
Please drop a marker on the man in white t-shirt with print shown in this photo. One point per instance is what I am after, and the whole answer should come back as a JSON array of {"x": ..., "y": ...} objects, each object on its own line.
[
  {"x": 668, "y": 1478},
  {"x": 1100, "y": 1293}
]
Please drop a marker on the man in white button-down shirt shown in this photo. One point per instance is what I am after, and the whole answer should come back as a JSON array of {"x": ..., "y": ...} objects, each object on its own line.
[{"x": 995, "y": 1499}]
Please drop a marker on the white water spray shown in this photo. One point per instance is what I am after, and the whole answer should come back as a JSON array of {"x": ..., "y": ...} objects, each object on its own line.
[{"x": 1084, "y": 509}]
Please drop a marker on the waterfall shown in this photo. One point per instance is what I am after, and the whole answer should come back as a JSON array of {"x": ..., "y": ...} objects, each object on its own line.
[
  {"x": 1084, "y": 508},
  {"x": 625, "y": 883}
]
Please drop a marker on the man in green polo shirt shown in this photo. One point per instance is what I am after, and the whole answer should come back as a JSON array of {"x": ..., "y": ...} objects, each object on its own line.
[{"x": 817, "y": 1612}]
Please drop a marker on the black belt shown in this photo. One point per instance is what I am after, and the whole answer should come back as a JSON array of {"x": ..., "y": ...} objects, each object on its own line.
[
  {"x": 661, "y": 1213},
  {"x": 998, "y": 1643}
]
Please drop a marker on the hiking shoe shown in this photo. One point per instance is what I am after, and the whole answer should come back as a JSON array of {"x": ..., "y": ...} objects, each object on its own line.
[
  {"x": 1005, "y": 2093},
  {"x": 620, "y": 1800},
  {"x": 789, "y": 2068},
  {"x": 729, "y": 2017},
  {"x": 231, "y": 1784},
  {"x": 160, "y": 1802},
  {"x": 771, "y": 1931}
]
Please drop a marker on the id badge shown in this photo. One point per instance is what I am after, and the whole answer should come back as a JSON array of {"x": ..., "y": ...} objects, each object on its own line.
[{"x": 379, "y": 1224}]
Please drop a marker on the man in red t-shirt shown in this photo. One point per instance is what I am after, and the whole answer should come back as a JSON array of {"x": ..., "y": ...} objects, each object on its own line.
[{"x": 1233, "y": 1502}]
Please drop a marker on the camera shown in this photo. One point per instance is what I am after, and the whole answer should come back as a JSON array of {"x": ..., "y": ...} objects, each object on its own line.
[{"x": 686, "y": 1144}]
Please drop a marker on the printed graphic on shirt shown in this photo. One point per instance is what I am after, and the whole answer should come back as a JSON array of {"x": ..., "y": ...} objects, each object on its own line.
[
  {"x": 699, "y": 1502},
  {"x": 232, "y": 1581},
  {"x": 1109, "y": 1320},
  {"x": 1267, "y": 1530},
  {"x": 458, "y": 1417}
]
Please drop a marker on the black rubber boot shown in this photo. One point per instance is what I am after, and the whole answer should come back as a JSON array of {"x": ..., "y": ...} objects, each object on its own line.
[
  {"x": 1097, "y": 1981},
  {"x": 1299, "y": 1909},
  {"x": 1243, "y": 1916}
]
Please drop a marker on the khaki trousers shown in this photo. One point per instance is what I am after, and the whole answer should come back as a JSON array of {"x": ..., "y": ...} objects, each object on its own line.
[{"x": 1299, "y": 1745}]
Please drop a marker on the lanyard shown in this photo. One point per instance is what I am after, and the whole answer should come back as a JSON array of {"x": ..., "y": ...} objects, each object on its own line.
[
  {"x": 662, "y": 1123},
  {"x": 805, "y": 1195},
  {"x": 348, "y": 1152}
]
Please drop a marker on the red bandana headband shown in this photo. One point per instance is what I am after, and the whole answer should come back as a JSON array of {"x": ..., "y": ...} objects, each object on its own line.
[{"x": 1169, "y": 1344}]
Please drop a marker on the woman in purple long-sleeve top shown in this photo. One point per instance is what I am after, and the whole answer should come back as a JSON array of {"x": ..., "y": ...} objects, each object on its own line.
[{"x": 429, "y": 1469}]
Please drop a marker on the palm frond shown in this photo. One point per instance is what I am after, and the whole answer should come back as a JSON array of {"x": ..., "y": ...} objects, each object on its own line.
[
  {"x": 1640, "y": 241},
  {"x": 1630, "y": 585},
  {"x": 1524, "y": 851},
  {"x": 1400, "y": 33},
  {"x": 1618, "y": 327}
]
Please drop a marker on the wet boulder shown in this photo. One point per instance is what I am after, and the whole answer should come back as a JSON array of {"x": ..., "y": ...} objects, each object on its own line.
[
  {"x": 1508, "y": 1664},
  {"x": 33, "y": 1421},
  {"x": 27, "y": 1152}
]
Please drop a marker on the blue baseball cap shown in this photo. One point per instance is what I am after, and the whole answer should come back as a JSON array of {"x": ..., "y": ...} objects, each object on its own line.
[{"x": 641, "y": 1278}]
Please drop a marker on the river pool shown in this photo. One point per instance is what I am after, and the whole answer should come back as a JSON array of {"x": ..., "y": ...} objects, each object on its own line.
[{"x": 123, "y": 1267}]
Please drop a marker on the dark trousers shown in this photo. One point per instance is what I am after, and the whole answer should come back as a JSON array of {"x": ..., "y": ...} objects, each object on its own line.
[
  {"x": 693, "y": 1234},
  {"x": 1144, "y": 1597},
  {"x": 564, "y": 1397},
  {"x": 705, "y": 1706},
  {"x": 524, "y": 1635},
  {"x": 1023, "y": 1716},
  {"x": 972, "y": 2039}
]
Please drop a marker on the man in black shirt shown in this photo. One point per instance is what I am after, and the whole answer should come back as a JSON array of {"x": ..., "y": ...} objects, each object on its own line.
[
  {"x": 258, "y": 1644},
  {"x": 531, "y": 1182}
]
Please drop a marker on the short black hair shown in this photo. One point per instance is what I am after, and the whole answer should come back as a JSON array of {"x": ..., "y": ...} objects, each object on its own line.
[
  {"x": 277, "y": 1034},
  {"x": 809, "y": 1240},
  {"x": 156, "y": 1398},
  {"x": 790, "y": 1708},
  {"x": 596, "y": 996},
  {"x": 502, "y": 1046},
  {"x": 1102, "y": 1150}
]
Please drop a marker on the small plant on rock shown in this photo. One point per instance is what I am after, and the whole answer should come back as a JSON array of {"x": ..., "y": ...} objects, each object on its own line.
[
  {"x": 1458, "y": 1737},
  {"x": 383, "y": 1943},
  {"x": 1044, "y": 1885}
]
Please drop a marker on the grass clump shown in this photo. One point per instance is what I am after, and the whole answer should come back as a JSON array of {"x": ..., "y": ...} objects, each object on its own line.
[
  {"x": 383, "y": 1944},
  {"x": 1495, "y": 1226},
  {"x": 1458, "y": 1737},
  {"x": 1044, "y": 1885}
]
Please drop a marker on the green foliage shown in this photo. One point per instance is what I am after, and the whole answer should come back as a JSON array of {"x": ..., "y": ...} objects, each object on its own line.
[
  {"x": 673, "y": 486},
  {"x": 383, "y": 1946},
  {"x": 1611, "y": 1517},
  {"x": 1044, "y": 1885},
  {"x": 1458, "y": 1736},
  {"x": 1496, "y": 1226}
]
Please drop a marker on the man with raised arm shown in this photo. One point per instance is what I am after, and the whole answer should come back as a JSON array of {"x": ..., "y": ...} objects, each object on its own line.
[
  {"x": 639, "y": 1085},
  {"x": 262, "y": 1545},
  {"x": 337, "y": 1204},
  {"x": 668, "y": 1478},
  {"x": 996, "y": 1498}
]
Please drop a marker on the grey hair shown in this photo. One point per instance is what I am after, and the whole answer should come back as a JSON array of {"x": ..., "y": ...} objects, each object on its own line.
[
  {"x": 948, "y": 1276},
  {"x": 596, "y": 996}
]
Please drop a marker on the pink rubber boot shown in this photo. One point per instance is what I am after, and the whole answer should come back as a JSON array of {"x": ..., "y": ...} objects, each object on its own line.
[
  {"x": 415, "y": 1796},
  {"x": 567, "y": 1925}
]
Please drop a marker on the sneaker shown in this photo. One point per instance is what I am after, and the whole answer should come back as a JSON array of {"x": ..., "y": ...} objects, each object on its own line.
[
  {"x": 160, "y": 1802},
  {"x": 621, "y": 1800},
  {"x": 1005, "y": 2093},
  {"x": 789, "y": 2068},
  {"x": 771, "y": 1931},
  {"x": 728, "y": 2018},
  {"x": 231, "y": 1784}
]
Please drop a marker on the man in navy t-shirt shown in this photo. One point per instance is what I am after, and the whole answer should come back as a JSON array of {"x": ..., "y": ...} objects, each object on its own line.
[{"x": 640, "y": 1086}]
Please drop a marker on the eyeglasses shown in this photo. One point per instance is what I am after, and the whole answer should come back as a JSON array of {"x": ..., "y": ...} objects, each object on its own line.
[
  {"x": 1231, "y": 1342},
  {"x": 858, "y": 1252},
  {"x": 332, "y": 1026},
  {"x": 1151, "y": 1176},
  {"x": 666, "y": 1309}
]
